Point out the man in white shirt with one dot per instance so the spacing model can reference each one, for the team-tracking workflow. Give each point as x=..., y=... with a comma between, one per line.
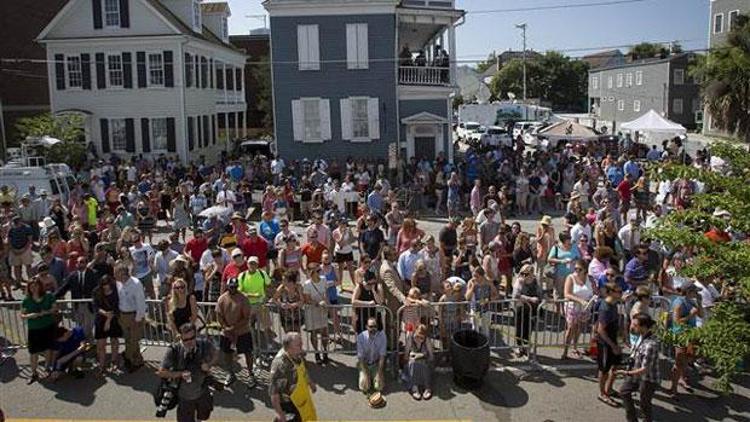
x=583, y=188
x=143, y=264
x=226, y=198
x=132, y=304
x=338, y=197
x=581, y=228
x=277, y=168
x=162, y=258
x=630, y=237
x=280, y=240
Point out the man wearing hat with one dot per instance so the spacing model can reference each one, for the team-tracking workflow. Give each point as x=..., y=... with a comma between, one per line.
x=28, y=215
x=46, y=227
x=239, y=227
x=42, y=205
x=489, y=228
x=255, y=246
x=254, y=283
x=236, y=266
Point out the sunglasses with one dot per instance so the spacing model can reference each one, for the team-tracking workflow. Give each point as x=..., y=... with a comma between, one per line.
x=526, y=273
x=372, y=327
x=610, y=274
x=178, y=288
x=580, y=269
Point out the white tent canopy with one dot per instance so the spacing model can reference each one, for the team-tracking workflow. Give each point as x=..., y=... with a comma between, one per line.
x=654, y=123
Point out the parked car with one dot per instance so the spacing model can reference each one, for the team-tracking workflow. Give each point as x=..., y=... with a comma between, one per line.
x=496, y=136
x=251, y=147
x=465, y=129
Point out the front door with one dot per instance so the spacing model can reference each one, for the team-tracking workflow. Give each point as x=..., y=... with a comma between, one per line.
x=424, y=147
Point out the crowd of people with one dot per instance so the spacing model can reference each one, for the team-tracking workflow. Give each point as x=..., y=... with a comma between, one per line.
x=360, y=245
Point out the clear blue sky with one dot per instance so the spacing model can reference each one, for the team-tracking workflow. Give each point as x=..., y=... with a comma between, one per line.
x=559, y=29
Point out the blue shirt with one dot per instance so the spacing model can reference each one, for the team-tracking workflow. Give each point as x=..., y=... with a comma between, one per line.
x=19, y=236
x=269, y=230
x=653, y=155
x=633, y=169
x=406, y=263
x=72, y=343
x=635, y=271
x=57, y=269
x=603, y=280
x=563, y=270
x=375, y=201
x=615, y=175
x=371, y=348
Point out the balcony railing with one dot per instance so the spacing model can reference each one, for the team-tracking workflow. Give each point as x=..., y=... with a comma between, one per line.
x=229, y=97
x=433, y=4
x=424, y=75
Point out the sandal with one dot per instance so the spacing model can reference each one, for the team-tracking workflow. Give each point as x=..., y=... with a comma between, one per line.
x=427, y=394
x=577, y=354
x=607, y=400
x=686, y=386
x=415, y=394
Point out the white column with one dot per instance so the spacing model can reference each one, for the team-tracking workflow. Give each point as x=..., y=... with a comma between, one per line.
x=452, y=41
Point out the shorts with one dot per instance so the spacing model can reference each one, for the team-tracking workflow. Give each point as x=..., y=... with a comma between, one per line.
x=200, y=408
x=606, y=359
x=341, y=258
x=244, y=344
x=272, y=254
x=24, y=258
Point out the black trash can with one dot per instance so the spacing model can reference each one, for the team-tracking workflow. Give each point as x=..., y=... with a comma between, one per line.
x=470, y=358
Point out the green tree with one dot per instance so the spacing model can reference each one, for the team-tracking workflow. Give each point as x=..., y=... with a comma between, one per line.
x=724, y=77
x=725, y=339
x=484, y=65
x=67, y=128
x=261, y=71
x=458, y=100
x=552, y=77
x=646, y=50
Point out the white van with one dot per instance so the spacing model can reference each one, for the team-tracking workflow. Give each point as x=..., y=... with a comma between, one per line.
x=56, y=179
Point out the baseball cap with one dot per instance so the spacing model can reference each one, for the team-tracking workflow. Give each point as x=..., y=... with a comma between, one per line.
x=253, y=259
x=232, y=282
x=236, y=252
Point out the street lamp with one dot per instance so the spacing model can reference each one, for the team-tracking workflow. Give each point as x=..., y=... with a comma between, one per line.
x=522, y=27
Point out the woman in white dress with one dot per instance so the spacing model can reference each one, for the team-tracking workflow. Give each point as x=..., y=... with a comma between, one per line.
x=316, y=312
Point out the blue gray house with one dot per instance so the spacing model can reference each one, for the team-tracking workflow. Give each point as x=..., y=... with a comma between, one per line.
x=359, y=77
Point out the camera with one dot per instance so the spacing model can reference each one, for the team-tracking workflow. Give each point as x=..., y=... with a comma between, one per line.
x=168, y=398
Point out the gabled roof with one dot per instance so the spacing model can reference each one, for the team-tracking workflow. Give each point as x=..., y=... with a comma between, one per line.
x=221, y=7
x=184, y=28
x=644, y=62
x=424, y=117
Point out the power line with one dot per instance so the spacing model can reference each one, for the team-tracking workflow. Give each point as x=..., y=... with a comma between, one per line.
x=553, y=7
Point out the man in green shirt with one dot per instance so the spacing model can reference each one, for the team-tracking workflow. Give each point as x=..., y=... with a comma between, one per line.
x=254, y=283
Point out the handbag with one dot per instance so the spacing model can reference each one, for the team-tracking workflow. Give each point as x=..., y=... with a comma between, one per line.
x=550, y=270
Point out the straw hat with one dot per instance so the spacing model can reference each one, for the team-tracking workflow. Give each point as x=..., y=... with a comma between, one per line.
x=575, y=195
x=546, y=220
x=376, y=400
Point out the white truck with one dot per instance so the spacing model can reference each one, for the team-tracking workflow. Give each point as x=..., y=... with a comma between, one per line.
x=498, y=113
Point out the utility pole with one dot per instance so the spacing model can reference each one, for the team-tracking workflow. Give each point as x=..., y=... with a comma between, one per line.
x=522, y=27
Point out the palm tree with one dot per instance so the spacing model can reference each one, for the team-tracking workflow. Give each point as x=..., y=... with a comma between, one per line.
x=724, y=76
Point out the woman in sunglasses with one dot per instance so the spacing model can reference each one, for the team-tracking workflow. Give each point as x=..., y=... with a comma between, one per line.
x=578, y=294
x=183, y=307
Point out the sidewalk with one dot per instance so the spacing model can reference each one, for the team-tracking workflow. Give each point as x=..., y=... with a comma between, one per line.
x=522, y=392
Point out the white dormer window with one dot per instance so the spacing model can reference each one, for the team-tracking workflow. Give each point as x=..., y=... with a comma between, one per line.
x=224, y=30
x=197, y=17
x=112, y=13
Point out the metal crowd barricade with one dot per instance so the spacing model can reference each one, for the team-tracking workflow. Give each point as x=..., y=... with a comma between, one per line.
x=12, y=327
x=507, y=324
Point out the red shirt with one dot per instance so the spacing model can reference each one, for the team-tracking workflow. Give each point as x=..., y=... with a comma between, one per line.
x=232, y=270
x=196, y=247
x=624, y=190
x=257, y=247
x=717, y=236
x=313, y=253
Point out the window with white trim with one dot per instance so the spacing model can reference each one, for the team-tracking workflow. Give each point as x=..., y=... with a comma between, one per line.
x=112, y=13
x=360, y=118
x=677, y=106
x=75, y=74
x=697, y=105
x=637, y=105
x=357, y=54
x=609, y=82
x=621, y=105
x=595, y=82
x=159, y=134
x=189, y=70
x=155, y=69
x=629, y=79
x=114, y=70
x=311, y=112
x=639, y=77
x=224, y=30
x=308, y=48
x=117, y=134
x=619, y=80
x=732, y=19
x=679, y=76
x=718, y=23
x=197, y=16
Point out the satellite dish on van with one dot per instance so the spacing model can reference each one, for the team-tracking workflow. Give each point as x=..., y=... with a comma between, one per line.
x=487, y=80
x=511, y=96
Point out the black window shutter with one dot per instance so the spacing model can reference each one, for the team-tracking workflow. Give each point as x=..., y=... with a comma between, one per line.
x=199, y=130
x=60, y=71
x=129, y=135
x=188, y=77
x=206, y=132
x=124, y=14
x=140, y=64
x=145, y=135
x=204, y=73
x=213, y=128
x=190, y=134
x=238, y=73
x=101, y=80
x=104, y=123
x=127, y=70
x=219, y=78
x=96, y=7
x=168, y=69
x=211, y=73
x=86, y=71
x=230, y=82
x=197, y=71
x=171, y=135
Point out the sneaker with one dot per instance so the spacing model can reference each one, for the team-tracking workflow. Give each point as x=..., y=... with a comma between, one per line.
x=230, y=380
x=251, y=382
